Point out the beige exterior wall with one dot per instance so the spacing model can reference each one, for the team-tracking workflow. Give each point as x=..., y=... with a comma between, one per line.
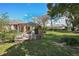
x=24, y=28
x=12, y=27
x=21, y=27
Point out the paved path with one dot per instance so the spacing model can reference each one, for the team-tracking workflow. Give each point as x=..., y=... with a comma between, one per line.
x=22, y=37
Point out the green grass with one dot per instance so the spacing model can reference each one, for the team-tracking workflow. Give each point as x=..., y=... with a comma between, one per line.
x=62, y=33
x=42, y=47
x=4, y=46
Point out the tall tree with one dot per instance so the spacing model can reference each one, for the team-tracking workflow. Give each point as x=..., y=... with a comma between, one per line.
x=61, y=8
x=50, y=13
x=53, y=12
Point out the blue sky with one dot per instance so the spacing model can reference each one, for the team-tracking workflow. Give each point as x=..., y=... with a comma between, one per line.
x=23, y=11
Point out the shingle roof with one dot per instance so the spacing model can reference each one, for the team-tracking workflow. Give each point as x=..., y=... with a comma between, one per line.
x=33, y=24
x=19, y=22
x=14, y=22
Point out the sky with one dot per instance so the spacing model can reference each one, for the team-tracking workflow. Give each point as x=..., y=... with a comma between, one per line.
x=23, y=11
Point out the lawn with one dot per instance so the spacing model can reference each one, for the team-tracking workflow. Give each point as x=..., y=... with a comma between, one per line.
x=43, y=47
x=4, y=47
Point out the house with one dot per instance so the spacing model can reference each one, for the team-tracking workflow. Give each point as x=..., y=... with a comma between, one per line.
x=59, y=26
x=59, y=23
x=22, y=26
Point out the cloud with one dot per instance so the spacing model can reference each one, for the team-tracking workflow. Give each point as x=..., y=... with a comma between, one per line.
x=26, y=15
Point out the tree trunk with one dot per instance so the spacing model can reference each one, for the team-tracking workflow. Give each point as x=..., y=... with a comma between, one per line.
x=51, y=24
x=73, y=28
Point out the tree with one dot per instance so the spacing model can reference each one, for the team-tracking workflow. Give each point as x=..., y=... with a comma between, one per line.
x=53, y=12
x=3, y=20
x=41, y=20
x=36, y=20
x=62, y=8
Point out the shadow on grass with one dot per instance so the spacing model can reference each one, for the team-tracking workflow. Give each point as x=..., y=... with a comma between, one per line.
x=42, y=47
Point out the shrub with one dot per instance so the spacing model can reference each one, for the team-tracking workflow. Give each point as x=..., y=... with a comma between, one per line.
x=1, y=36
x=7, y=37
x=70, y=41
x=44, y=29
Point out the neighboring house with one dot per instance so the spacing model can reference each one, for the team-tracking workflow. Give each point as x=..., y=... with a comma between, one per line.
x=21, y=26
x=59, y=26
x=56, y=25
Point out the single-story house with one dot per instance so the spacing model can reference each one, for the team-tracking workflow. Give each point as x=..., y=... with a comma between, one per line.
x=21, y=26
x=59, y=26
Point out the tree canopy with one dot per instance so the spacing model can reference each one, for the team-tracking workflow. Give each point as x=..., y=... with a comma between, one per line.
x=61, y=9
x=3, y=20
x=41, y=20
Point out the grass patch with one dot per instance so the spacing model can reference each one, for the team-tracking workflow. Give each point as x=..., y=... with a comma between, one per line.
x=62, y=33
x=42, y=47
x=4, y=47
